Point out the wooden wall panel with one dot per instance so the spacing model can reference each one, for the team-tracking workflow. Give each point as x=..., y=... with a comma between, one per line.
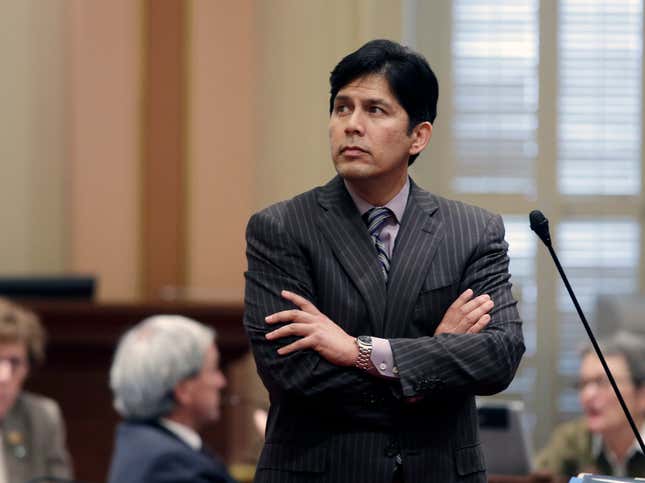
x=104, y=144
x=222, y=144
x=163, y=230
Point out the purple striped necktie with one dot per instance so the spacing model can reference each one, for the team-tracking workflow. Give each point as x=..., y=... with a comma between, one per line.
x=376, y=219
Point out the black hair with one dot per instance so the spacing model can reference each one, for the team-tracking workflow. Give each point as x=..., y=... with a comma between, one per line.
x=408, y=74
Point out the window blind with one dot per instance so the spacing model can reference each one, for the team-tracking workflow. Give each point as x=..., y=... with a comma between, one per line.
x=599, y=101
x=495, y=74
x=599, y=256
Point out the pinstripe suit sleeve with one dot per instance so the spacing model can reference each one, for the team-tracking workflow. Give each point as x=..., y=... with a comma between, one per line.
x=483, y=363
x=275, y=263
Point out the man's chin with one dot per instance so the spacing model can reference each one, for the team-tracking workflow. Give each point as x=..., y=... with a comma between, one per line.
x=214, y=416
x=595, y=424
x=353, y=171
x=4, y=409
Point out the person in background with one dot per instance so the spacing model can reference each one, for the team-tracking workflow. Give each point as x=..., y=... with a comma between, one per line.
x=602, y=441
x=166, y=382
x=32, y=428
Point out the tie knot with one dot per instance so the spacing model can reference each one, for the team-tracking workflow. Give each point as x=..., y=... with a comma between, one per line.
x=376, y=218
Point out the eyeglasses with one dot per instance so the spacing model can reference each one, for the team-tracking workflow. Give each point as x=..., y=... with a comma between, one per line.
x=601, y=382
x=14, y=364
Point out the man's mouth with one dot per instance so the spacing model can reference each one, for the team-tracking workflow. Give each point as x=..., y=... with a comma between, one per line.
x=353, y=150
x=592, y=412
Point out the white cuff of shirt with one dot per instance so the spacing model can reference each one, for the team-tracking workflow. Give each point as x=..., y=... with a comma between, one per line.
x=382, y=359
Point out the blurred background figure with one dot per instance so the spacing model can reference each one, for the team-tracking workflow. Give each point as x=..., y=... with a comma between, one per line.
x=32, y=428
x=166, y=382
x=602, y=441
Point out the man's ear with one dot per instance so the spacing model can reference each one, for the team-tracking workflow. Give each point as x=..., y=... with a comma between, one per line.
x=183, y=392
x=640, y=397
x=421, y=135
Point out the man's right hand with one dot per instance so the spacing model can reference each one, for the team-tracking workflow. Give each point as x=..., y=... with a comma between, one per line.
x=466, y=315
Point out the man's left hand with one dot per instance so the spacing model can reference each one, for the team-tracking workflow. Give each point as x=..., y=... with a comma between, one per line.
x=316, y=331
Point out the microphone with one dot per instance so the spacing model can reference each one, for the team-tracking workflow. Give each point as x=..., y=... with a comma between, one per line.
x=540, y=225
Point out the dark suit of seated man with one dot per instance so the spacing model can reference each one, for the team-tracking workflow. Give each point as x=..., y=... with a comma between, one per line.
x=166, y=382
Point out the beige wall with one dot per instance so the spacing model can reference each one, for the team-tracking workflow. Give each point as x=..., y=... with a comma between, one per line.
x=33, y=143
x=433, y=36
x=298, y=44
x=257, y=124
x=256, y=121
x=105, y=142
x=221, y=145
x=69, y=140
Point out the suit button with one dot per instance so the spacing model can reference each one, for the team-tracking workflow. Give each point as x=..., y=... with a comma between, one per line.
x=392, y=449
x=435, y=384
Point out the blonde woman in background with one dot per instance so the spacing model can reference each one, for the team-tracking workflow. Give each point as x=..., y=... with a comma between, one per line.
x=32, y=428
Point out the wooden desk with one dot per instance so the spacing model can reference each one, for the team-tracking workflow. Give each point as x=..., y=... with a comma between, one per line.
x=82, y=338
x=520, y=479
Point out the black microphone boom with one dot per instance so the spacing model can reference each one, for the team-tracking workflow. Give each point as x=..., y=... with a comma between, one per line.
x=540, y=225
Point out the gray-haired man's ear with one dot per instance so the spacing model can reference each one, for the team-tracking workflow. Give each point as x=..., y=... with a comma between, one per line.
x=260, y=421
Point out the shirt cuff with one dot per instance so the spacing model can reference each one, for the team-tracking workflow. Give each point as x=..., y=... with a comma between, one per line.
x=382, y=359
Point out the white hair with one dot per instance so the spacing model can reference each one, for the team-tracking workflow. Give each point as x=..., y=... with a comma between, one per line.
x=630, y=346
x=151, y=359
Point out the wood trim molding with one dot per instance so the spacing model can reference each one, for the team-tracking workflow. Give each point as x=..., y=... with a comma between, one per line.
x=163, y=171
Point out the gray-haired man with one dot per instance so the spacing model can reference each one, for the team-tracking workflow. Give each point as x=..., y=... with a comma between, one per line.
x=166, y=382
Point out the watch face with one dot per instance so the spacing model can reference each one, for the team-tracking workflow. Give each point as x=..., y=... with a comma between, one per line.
x=365, y=339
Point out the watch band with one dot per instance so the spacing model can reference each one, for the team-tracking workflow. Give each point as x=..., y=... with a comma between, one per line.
x=363, y=361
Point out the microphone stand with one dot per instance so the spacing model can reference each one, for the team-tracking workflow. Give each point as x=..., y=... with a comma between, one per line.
x=544, y=236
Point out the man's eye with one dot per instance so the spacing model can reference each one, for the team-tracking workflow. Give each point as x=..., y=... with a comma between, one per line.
x=342, y=108
x=376, y=110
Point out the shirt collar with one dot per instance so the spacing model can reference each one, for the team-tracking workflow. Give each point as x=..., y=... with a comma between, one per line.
x=183, y=432
x=597, y=446
x=396, y=205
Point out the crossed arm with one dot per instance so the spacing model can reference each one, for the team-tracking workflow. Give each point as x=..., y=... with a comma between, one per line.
x=310, y=355
x=466, y=315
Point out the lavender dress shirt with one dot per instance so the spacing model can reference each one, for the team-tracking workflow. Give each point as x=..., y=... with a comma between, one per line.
x=382, y=358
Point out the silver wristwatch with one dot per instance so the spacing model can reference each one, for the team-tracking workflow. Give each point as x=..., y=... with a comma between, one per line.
x=363, y=361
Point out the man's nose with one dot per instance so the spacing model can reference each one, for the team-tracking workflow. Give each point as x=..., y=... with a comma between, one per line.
x=588, y=392
x=355, y=123
x=222, y=380
x=5, y=371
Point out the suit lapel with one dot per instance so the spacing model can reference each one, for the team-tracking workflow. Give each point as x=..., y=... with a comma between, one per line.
x=17, y=453
x=416, y=245
x=210, y=458
x=347, y=235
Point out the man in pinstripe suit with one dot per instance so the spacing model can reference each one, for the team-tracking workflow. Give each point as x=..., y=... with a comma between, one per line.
x=370, y=339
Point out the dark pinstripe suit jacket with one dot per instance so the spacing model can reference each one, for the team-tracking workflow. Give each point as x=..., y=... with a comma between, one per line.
x=338, y=424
